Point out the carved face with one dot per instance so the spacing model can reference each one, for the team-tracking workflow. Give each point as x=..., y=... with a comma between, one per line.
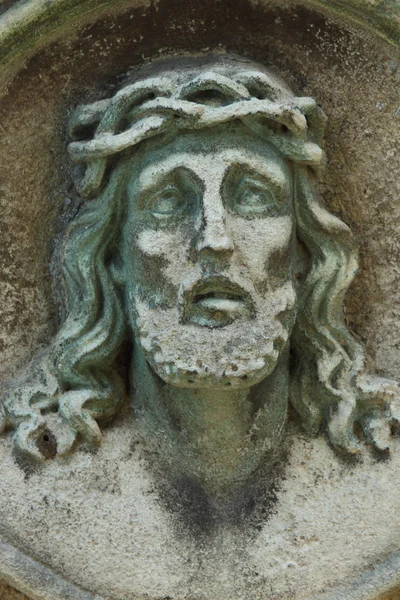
x=208, y=249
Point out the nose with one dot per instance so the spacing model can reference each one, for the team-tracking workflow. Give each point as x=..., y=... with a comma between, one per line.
x=214, y=238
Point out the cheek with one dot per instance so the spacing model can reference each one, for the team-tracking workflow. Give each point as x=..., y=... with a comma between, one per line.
x=258, y=241
x=167, y=249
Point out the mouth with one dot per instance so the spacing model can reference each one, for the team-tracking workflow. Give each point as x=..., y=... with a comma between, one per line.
x=216, y=302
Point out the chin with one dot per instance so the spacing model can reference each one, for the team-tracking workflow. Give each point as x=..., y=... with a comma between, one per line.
x=179, y=376
x=238, y=355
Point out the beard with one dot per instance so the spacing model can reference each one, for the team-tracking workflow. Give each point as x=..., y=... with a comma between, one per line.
x=239, y=353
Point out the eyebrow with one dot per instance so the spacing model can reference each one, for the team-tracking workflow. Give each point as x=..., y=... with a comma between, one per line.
x=163, y=176
x=280, y=182
x=255, y=164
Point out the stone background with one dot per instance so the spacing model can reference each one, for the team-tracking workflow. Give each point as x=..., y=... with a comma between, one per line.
x=353, y=73
x=7, y=593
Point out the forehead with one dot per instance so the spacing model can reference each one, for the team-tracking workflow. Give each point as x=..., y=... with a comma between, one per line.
x=208, y=153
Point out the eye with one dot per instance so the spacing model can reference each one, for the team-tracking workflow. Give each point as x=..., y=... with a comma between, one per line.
x=167, y=201
x=253, y=196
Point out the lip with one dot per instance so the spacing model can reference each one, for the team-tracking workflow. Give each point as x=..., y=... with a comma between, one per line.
x=217, y=302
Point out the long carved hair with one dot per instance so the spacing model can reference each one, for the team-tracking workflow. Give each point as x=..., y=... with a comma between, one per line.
x=76, y=378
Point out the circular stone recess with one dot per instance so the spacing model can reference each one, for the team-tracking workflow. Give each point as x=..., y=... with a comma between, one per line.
x=100, y=525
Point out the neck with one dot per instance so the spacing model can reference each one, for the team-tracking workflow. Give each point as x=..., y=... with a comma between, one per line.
x=215, y=437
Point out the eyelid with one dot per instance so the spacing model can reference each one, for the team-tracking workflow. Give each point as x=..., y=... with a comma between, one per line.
x=241, y=181
x=153, y=203
x=168, y=187
x=247, y=179
x=240, y=170
x=180, y=179
x=170, y=178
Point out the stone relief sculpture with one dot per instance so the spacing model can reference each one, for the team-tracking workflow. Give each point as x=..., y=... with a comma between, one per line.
x=201, y=238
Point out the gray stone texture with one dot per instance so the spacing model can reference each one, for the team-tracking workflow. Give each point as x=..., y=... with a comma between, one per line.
x=104, y=520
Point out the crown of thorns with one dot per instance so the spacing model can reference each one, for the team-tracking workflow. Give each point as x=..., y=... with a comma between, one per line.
x=156, y=105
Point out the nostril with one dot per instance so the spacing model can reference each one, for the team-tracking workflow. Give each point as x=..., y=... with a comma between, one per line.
x=215, y=241
x=220, y=246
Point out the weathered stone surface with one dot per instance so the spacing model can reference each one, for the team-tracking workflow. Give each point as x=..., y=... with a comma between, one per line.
x=104, y=520
x=393, y=595
x=8, y=593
